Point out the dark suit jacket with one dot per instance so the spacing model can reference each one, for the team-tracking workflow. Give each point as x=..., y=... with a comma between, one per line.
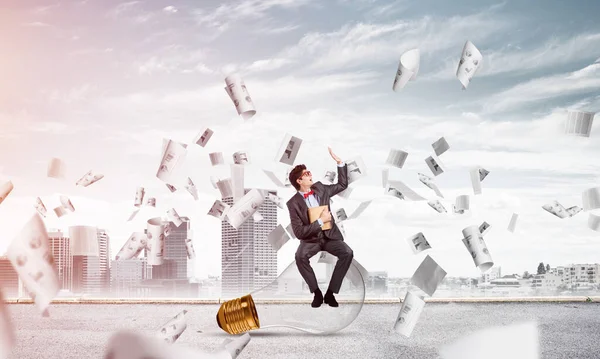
x=312, y=232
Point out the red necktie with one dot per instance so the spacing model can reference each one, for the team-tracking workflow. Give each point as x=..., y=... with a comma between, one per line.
x=308, y=194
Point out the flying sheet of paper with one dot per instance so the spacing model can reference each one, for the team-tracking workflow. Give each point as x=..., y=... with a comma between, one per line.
x=391, y=191
x=172, y=158
x=429, y=182
x=329, y=177
x=473, y=240
x=241, y=158
x=139, y=196
x=408, y=68
x=356, y=169
x=84, y=241
x=437, y=205
x=225, y=187
x=288, y=150
x=171, y=187
x=468, y=64
x=340, y=215
x=136, y=242
x=56, y=168
x=235, y=346
x=579, y=123
x=237, y=181
x=203, y=137
x=462, y=203
x=133, y=214
x=155, y=230
x=213, y=181
x=418, y=243
x=385, y=176
x=133, y=345
x=326, y=257
x=278, y=237
x=520, y=341
x=244, y=208
x=39, y=206
x=151, y=201
x=360, y=209
x=216, y=158
x=591, y=198
x=66, y=203
x=428, y=276
x=218, y=210
x=594, y=222
x=174, y=217
x=60, y=211
x=483, y=174
x=275, y=199
x=189, y=247
x=440, y=146
x=31, y=256
x=396, y=158
x=290, y=231
x=484, y=228
x=412, y=307
x=172, y=330
x=559, y=211
x=5, y=190
x=238, y=93
x=191, y=188
x=475, y=180
x=513, y=222
x=89, y=178
x=406, y=191
x=7, y=331
x=257, y=217
x=435, y=165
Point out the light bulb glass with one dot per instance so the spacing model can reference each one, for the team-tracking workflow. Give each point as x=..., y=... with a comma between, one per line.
x=286, y=302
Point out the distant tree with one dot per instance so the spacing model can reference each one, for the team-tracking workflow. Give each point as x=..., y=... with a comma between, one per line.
x=541, y=268
x=547, y=268
x=526, y=275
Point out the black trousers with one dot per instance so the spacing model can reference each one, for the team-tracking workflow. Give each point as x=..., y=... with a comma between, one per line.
x=338, y=248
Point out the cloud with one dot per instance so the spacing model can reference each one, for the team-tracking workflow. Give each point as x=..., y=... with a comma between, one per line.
x=276, y=30
x=371, y=44
x=175, y=59
x=36, y=24
x=515, y=60
x=225, y=14
x=170, y=9
x=581, y=81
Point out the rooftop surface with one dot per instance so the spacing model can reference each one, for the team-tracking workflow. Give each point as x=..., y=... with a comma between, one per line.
x=74, y=331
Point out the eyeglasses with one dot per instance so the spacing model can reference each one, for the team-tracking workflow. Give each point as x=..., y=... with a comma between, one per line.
x=305, y=174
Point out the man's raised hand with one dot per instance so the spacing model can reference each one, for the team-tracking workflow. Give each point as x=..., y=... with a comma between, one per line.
x=336, y=158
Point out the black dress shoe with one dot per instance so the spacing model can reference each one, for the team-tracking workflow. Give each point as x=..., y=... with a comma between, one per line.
x=318, y=300
x=330, y=299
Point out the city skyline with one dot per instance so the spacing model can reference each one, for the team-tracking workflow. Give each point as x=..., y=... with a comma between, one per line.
x=118, y=77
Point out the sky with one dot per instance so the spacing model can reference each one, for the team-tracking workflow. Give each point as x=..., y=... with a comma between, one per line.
x=99, y=84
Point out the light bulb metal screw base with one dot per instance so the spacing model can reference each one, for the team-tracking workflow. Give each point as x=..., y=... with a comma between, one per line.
x=238, y=315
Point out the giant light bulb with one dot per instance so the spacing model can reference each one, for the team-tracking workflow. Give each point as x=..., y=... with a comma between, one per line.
x=253, y=311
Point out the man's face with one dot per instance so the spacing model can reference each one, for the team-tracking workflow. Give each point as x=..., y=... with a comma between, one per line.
x=305, y=179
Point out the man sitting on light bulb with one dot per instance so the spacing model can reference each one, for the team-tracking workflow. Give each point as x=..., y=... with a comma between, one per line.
x=313, y=238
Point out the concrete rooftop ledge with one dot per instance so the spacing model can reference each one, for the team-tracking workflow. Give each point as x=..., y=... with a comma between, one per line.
x=111, y=301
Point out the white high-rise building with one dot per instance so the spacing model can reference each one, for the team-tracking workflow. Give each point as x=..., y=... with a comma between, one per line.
x=61, y=250
x=125, y=275
x=91, y=274
x=248, y=261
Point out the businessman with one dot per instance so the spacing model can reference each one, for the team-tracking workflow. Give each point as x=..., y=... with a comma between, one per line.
x=313, y=238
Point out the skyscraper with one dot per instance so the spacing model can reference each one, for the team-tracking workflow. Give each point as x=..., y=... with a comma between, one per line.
x=175, y=260
x=61, y=250
x=248, y=261
x=126, y=274
x=175, y=248
x=91, y=274
x=9, y=279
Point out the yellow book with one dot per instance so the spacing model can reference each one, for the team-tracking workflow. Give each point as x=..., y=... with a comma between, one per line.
x=314, y=214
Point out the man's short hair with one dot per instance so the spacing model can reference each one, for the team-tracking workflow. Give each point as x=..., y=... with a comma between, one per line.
x=295, y=174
